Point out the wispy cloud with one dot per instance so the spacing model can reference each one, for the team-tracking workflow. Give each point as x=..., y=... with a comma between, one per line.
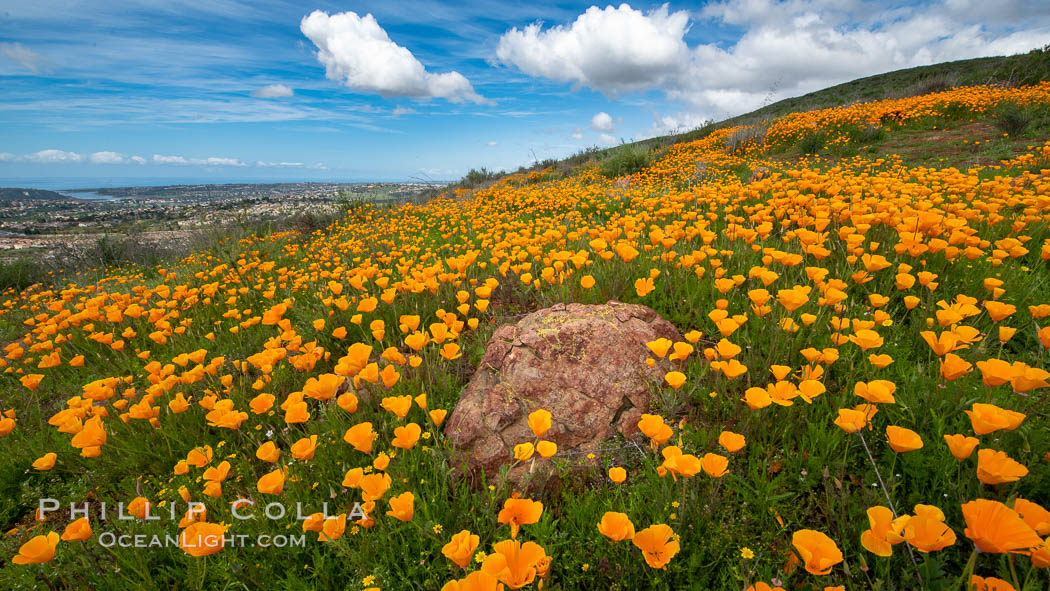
x=28, y=58
x=278, y=164
x=107, y=110
x=183, y=161
x=55, y=156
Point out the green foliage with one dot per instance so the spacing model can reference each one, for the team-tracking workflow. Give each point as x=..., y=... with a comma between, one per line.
x=478, y=177
x=313, y=220
x=624, y=161
x=21, y=272
x=813, y=142
x=115, y=251
x=1015, y=119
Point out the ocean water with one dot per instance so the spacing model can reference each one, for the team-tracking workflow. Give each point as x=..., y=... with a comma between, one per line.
x=89, y=195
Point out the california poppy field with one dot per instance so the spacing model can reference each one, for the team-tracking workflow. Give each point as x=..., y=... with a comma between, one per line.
x=858, y=401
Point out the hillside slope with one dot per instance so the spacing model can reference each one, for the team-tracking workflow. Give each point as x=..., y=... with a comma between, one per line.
x=18, y=194
x=1016, y=70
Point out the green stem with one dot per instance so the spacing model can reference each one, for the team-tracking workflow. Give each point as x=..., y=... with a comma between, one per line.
x=911, y=554
x=1013, y=572
x=964, y=579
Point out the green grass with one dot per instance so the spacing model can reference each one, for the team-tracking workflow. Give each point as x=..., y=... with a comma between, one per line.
x=624, y=161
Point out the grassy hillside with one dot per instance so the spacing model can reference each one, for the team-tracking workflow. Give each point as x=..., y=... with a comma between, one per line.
x=1016, y=70
x=859, y=401
x=15, y=194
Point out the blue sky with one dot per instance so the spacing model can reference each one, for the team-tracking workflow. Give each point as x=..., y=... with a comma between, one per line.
x=221, y=89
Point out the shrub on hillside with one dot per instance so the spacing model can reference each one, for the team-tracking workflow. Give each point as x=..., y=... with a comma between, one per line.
x=20, y=273
x=812, y=143
x=477, y=177
x=624, y=161
x=1014, y=118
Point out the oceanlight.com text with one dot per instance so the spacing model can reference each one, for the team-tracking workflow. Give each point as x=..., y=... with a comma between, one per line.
x=110, y=539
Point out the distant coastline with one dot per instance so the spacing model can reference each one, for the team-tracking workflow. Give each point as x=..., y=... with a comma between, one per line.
x=154, y=188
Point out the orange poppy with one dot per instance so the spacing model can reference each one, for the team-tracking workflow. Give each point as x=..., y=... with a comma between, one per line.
x=461, y=547
x=519, y=512
x=402, y=506
x=540, y=422
x=989, y=584
x=818, y=552
x=616, y=526
x=902, y=440
x=961, y=446
x=654, y=427
x=272, y=483
x=38, y=550
x=927, y=534
x=202, y=538
x=513, y=563
x=732, y=442
x=361, y=437
x=658, y=545
x=1034, y=515
x=988, y=418
x=995, y=467
x=77, y=531
x=996, y=528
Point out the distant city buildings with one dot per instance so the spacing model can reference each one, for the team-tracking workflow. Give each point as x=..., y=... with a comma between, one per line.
x=43, y=223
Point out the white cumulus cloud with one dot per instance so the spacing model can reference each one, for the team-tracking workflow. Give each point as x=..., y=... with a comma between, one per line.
x=273, y=91
x=51, y=156
x=356, y=51
x=107, y=158
x=786, y=48
x=161, y=159
x=612, y=50
x=607, y=139
x=577, y=134
x=602, y=122
x=6, y=156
